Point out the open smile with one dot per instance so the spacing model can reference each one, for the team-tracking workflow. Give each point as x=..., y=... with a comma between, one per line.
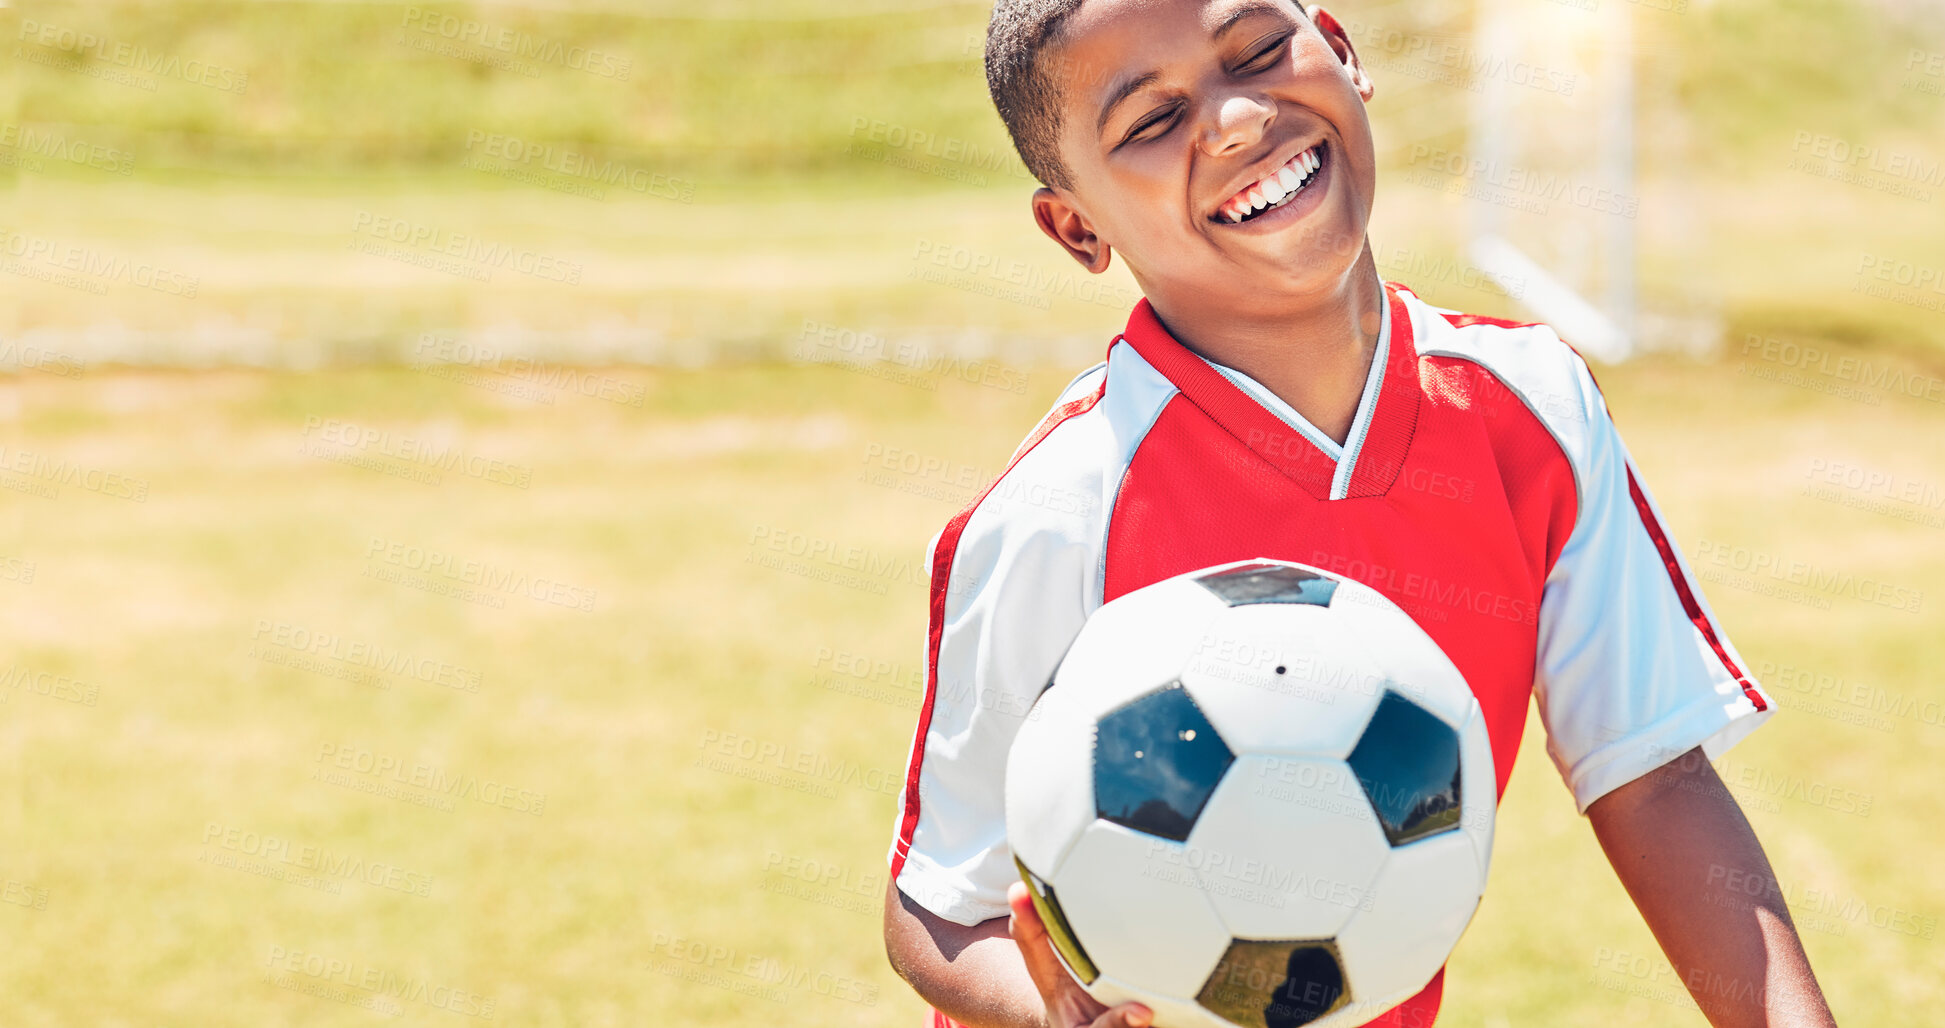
x=1277, y=190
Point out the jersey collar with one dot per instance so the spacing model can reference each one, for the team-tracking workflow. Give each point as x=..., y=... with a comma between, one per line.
x=1373, y=452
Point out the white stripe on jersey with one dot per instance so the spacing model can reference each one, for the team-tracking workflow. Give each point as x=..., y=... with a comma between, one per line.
x=1625, y=681
x=1025, y=574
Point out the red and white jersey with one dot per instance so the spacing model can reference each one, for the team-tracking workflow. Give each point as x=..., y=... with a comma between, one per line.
x=1482, y=487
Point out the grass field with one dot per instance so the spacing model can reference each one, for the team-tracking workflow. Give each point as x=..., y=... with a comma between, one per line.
x=626, y=772
x=369, y=673
x=764, y=165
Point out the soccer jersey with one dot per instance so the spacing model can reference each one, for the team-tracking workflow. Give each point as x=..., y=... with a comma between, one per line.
x=1482, y=487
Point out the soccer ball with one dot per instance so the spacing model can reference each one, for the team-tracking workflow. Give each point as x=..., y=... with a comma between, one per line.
x=1256, y=794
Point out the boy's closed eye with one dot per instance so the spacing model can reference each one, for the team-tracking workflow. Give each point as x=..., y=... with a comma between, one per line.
x=1156, y=125
x=1259, y=56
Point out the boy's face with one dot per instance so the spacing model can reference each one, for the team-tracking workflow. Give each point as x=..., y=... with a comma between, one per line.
x=1175, y=111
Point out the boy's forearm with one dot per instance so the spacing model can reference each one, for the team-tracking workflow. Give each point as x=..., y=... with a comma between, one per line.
x=1693, y=866
x=973, y=975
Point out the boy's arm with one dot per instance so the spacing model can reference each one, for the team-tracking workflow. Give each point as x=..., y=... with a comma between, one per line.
x=973, y=975
x=995, y=974
x=1677, y=839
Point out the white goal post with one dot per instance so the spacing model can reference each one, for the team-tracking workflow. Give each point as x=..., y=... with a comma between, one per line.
x=1594, y=311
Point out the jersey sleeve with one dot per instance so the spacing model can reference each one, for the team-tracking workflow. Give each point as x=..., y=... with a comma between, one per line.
x=1011, y=607
x=1011, y=581
x=1632, y=668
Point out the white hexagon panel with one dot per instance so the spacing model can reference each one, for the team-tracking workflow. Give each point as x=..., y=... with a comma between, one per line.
x=1287, y=848
x=1139, y=910
x=1138, y=641
x=1420, y=905
x=1410, y=663
x=1050, y=781
x=1481, y=805
x=1277, y=678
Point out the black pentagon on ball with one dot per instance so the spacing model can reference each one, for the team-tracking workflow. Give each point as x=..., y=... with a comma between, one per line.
x=1157, y=759
x=1408, y=762
x=1270, y=583
x=1267, y=984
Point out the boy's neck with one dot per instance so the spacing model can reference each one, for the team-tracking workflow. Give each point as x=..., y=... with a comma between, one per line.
x=1313, y=355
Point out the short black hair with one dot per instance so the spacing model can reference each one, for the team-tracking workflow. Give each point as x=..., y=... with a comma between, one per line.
x=1025, y=94
x=1021, y=86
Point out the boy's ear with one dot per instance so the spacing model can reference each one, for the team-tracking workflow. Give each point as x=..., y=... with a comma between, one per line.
x=1340, y=42
x=1064, y=224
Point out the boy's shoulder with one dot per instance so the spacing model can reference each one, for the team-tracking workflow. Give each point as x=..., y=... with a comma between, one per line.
x=1090, y=432
x=1510, y=348
x=1057, y=489
x=1496, y=366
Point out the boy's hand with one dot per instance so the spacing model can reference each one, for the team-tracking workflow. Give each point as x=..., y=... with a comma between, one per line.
x=1068, y=1005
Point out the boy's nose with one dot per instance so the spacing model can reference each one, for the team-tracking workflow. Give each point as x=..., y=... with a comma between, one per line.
x=1239, y=123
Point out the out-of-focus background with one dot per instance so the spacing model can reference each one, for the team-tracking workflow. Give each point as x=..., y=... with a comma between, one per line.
x=467, y=469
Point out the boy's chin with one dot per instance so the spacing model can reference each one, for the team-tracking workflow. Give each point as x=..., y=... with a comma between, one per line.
x=1264, y=282
x=1303, y=254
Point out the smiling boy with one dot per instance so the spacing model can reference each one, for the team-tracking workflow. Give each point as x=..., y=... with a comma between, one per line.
x=1273, y=397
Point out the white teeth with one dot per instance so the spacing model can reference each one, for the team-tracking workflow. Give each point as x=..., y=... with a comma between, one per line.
x=1275, y=188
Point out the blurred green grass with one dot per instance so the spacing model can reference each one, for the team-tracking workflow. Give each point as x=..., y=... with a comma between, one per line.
x=653, y=833
x=350, y=89
x=733, y=90
x=785, y=134
x=569, y=917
